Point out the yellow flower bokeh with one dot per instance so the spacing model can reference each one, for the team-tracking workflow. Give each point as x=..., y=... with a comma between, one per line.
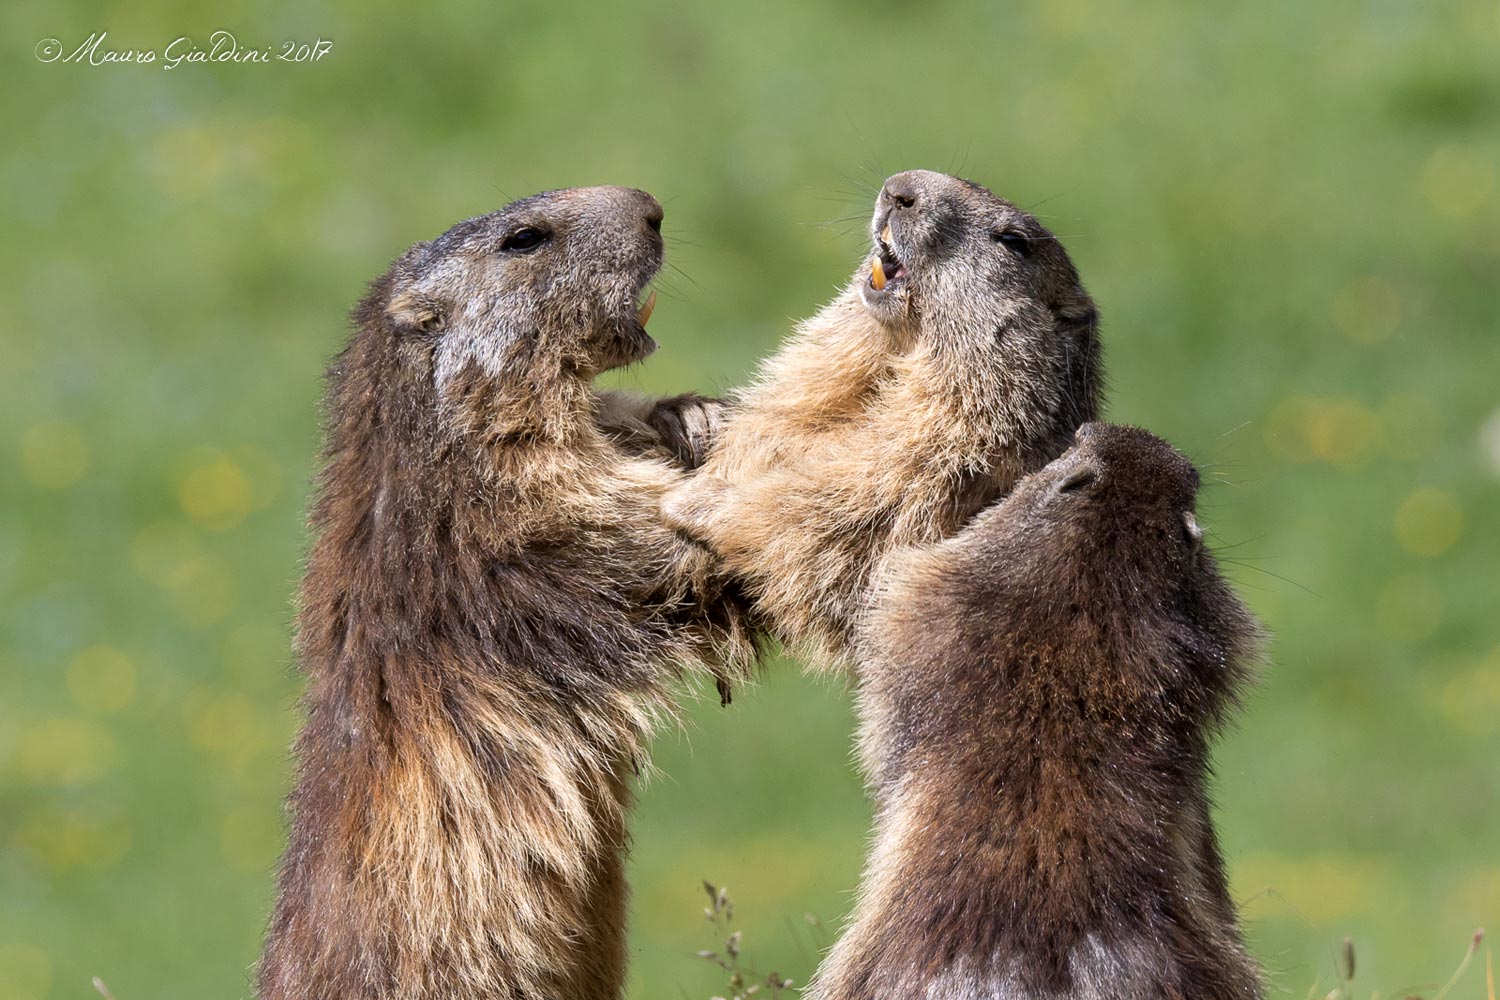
x=65, y=752
x=199, y=586
x=1429, y=522
x=54, y=455
x=101, y=680
x=1471, y=699
x=215, y=493
x=69, y=837
x=1409, y=608
x=1319, y=889
x=1340, y=431
x=1368, y=310
x=1413, y=425
x=25, y=971
x=1458, y=181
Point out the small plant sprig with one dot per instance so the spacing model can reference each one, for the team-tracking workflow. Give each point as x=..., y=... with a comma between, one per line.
x=744, y=982
x=1344, y=970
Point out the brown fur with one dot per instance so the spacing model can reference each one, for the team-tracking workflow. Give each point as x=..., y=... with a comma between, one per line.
x=893, y=416
x=491, y=614
x=1038, y=695
x=679, y=428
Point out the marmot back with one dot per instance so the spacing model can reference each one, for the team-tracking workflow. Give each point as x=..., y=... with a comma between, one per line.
x=1038, y=696
x=963, y=353
x=491, y=616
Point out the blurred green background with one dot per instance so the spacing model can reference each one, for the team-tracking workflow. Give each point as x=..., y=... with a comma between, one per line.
x=1289, y=213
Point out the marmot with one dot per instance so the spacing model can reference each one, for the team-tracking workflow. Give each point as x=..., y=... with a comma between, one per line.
x=963, y=354
x=1037, y=697
x=490, y=616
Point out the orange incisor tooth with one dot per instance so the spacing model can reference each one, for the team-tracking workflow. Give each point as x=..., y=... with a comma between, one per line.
x=647, y=309
x=877, y=274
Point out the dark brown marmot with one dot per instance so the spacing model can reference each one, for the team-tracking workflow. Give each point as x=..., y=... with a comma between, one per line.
x=491, y=614
x=963, y=354
x=1038, y=695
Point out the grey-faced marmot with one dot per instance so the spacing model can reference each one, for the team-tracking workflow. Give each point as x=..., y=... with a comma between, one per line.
x=491, y=614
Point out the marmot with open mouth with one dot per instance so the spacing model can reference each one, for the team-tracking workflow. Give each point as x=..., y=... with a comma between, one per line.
x=491, y=617
x=963, y=354
x=1038, y=697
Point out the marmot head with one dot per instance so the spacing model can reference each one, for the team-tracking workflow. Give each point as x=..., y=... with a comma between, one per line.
x=547, y=286
x=497, y=326
x=1106, y=539
x=965, y=273
x=1125, y=493
x=1085, y=598
x=1090, y=578
x=940, y=240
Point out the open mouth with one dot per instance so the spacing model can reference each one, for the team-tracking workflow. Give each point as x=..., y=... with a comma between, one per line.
x=887, y=272
x=624, y=341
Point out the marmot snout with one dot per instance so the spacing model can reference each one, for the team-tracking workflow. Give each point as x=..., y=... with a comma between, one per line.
x=948, y=248
x=557, y=272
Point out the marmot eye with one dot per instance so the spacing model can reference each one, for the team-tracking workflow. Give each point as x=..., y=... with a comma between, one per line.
x=1017, y=243
x=524, y=239
x=1077, y=479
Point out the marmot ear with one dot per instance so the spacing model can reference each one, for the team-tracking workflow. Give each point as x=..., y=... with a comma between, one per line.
x=412, y=312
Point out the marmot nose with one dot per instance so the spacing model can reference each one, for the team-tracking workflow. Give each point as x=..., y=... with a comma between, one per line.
x=648, y=207
x=899, y=192
x=654, y=216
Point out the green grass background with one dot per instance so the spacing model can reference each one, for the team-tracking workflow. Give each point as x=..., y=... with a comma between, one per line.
x=1289, y=213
